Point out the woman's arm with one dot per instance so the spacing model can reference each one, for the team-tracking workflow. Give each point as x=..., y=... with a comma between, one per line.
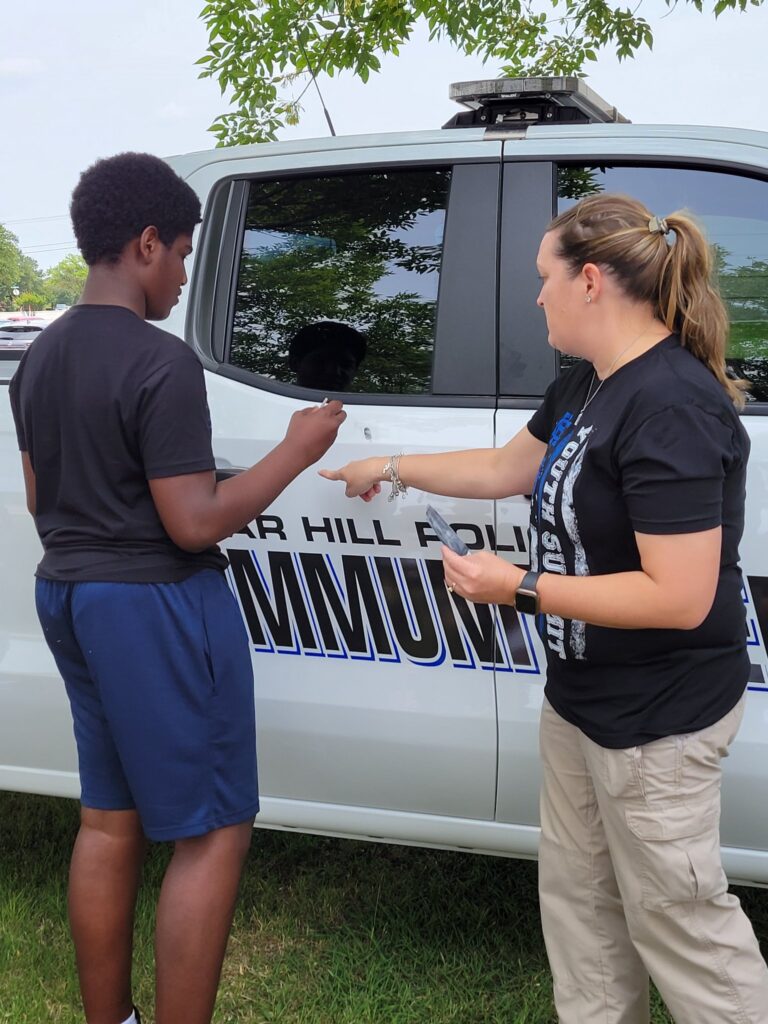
x=674, y=589
x=477, y=473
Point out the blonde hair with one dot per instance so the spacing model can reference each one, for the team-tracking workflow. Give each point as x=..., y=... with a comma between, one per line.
x=618, y=233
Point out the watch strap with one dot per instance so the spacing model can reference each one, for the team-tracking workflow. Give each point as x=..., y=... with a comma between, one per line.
x=526, y=597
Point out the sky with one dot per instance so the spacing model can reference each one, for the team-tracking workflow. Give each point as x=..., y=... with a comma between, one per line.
x=88, y=79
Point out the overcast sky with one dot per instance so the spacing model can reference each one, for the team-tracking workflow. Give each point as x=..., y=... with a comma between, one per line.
x=85, y=80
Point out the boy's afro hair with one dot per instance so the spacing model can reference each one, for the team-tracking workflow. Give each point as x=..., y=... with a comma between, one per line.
x=117, y=198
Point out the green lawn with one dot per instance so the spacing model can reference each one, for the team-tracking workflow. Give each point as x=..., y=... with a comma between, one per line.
x=748, y=339
x=327, y=932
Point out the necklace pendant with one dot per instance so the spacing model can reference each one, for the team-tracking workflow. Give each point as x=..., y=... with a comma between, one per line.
x=590, y=395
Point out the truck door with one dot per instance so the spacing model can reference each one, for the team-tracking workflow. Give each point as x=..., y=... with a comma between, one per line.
x=732, y=206
x=367, y=275
x=37, y=749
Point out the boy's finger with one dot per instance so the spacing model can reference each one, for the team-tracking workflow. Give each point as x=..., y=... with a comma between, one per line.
x=330, y=474
x=333, y=408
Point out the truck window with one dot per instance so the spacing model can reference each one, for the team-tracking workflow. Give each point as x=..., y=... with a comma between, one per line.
x=733, y=209
x=338, y=280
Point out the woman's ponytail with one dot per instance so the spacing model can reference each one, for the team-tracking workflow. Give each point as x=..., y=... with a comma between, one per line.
x=676, y=278
x=690, y=304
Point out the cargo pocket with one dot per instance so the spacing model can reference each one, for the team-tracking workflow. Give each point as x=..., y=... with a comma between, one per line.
x=678, y=853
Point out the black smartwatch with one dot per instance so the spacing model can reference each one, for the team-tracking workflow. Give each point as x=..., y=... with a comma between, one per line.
x=526, y=597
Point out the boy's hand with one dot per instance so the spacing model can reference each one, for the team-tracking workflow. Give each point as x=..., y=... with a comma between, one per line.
x=311, y=432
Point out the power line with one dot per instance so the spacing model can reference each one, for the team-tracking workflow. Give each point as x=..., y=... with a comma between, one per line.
x=52, y=253
x=34, y=220
x=51, y=245
x=33, y=253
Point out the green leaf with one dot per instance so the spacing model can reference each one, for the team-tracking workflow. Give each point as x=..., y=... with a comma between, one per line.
x=254, y=52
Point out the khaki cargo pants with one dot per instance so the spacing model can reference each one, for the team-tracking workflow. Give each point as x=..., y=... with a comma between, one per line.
x=631, y=883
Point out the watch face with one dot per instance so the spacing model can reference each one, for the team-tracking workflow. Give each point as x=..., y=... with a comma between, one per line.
x=526, y=601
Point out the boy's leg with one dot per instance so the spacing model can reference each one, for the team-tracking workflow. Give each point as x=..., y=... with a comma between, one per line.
x=108, y=851
x=103, y=883
x=176, y=684
x=194, y=915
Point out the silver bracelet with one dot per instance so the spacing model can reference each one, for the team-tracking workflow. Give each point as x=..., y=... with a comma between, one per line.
x=392, y=470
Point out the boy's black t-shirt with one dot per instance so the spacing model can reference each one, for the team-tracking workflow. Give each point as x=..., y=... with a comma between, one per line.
x=659, y=449
x=104, y=402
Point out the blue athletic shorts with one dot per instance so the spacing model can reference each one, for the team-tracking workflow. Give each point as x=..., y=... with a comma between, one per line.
x=160, y=682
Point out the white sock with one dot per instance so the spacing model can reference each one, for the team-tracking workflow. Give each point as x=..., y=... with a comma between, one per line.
x=131, y=1019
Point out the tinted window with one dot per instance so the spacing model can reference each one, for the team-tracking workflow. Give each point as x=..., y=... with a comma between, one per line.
x=338, y=280
x=734, y=213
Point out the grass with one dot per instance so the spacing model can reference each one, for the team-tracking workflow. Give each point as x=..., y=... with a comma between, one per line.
x=327, y=931
x=748, y=339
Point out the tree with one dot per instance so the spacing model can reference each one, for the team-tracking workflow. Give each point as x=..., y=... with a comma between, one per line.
x=65, y=281
x=10, y=265
x=31, y=302
x=16, y=270
x=30, y=275
x=258, y=47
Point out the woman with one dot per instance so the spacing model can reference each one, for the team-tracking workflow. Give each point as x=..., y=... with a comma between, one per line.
x=636, y=461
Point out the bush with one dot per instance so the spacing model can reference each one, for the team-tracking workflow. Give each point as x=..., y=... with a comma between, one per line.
x=31, y=301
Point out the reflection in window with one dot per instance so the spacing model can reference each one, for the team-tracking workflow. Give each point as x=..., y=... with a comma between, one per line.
x=733, y=211
x=338, y=280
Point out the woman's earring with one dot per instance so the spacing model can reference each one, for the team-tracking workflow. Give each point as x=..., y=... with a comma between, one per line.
x=587, y=298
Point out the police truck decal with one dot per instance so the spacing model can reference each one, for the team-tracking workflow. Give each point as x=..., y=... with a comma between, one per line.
x=390, y=608
x=756, y=600
x=372, y=608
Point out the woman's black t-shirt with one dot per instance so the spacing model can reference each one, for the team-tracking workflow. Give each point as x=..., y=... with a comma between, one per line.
x=659, y=449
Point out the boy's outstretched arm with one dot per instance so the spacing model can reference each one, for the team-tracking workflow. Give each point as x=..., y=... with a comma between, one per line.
x=198, y=512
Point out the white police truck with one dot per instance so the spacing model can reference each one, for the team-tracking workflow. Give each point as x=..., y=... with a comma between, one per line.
x=397, y=272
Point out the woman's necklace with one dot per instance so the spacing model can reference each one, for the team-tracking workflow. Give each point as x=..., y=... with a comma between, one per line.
x=592, y=394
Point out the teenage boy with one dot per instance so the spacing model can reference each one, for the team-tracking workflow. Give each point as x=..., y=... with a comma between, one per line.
x=115, y=441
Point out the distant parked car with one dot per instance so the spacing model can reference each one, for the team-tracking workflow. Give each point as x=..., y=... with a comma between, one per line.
x=19, y=333
x=16, y=335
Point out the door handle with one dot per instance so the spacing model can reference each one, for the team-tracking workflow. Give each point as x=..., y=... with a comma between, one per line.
x=226, y=472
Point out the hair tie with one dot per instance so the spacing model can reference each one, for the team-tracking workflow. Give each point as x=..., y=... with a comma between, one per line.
x=658, y=226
